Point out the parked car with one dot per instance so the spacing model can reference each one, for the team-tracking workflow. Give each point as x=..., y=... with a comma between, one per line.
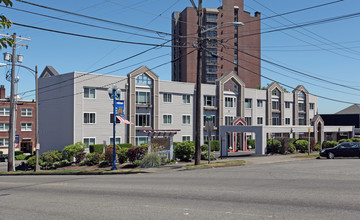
x=3, y=157
x=345, y=149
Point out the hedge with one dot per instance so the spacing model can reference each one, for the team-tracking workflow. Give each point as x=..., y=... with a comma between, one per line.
x=96, y=148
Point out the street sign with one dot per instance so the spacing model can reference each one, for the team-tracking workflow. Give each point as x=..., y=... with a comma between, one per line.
x=37, y=147
x=208, y=118
x=119, y=107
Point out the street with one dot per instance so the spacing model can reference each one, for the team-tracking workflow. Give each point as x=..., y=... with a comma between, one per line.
x=306, y=189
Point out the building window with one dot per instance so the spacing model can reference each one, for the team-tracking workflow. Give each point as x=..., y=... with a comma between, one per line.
x=186, y=138
x=248, y=103
x=301, y=95
x=186, y=99
x=142, y=79
x=167, y=97
x=275, y=105
x=212, y=119
x=229, y=102
x=143, y=98
x=229, y=120
x=26, y=127
x=4, y=126
x=89, y=93
x=301, y=107
x=275, y=92
x=117, y=140
x=89, y=141
x=89, y=118
x=4, y=111
x=275, y=119
x=143, y=120
x=248, y=120
x=259, y=120
x=186, y=119
x=112, y=119
x=287, y=121
x=260, y=103
x=209, y=100
x=140, y=140
x=26, y=112
x=4, y=142
x=312, y=106
x=167, y=119
x=302, y=119
x=287, y=104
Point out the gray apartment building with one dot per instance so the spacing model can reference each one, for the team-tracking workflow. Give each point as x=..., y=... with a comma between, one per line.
x=76, y=107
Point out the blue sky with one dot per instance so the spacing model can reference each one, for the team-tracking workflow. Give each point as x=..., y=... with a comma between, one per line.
x=329, y=51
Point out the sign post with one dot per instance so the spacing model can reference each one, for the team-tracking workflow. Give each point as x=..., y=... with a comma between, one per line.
x=209, y=125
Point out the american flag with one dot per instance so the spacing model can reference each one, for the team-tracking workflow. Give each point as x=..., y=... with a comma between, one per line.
x=123, y=120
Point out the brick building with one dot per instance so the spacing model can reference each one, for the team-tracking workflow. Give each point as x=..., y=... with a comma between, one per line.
x=232, y=44
x=25, y=124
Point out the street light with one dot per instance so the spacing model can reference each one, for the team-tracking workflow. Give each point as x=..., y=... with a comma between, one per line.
x=114, y=93
x=36, y=110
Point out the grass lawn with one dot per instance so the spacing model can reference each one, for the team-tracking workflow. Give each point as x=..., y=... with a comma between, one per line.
x=217, y=164
x=307, y=156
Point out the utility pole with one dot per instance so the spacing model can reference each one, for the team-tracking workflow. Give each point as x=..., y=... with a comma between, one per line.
x=11, y=153
x=198, y=86
x=37, y=144
x=12, y=125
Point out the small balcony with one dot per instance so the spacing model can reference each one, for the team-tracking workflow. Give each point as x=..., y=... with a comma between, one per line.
x=143, y=105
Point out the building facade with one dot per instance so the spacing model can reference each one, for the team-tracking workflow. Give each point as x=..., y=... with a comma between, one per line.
x=226, y=48
x=77, y=107
x=25, y=124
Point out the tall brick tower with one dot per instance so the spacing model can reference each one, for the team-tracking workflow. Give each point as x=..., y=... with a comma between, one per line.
x=229, y=42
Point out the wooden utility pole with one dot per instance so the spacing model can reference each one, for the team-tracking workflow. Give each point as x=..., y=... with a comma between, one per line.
x=198, y=86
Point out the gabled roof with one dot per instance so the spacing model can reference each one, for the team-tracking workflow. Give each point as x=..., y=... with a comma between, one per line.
x=300, y=88
x=143, y=69
x=353, y=109
x=231, y=75
x=48, y=72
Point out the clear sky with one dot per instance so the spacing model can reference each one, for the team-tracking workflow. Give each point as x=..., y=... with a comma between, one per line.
x=329, y=51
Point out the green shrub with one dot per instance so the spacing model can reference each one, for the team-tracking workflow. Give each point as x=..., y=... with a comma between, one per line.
x=64, y=163
x=92, y=159
x=57, y=164
x=103, y=163
x=135, y=153
x=73, y=150
x=285, y=145
x=21, y=157
x=151, y=160
x=137, y=163
x=184, y=150
x=96, y=148
x=317, y=147
x=292, y=148
x=355, y=139
x=205, y=147
x=204, y=155
x=274, y=146
x=122, y=155
x=302, y=145
x=125, y=145
x=329, y=144
x=293, y=140
x=214, y=146
x=344, y=140
x=18, y=152
x=51, y=157
x=82, y=163
x=31, y=161
x=251, y=142
x=1, y=152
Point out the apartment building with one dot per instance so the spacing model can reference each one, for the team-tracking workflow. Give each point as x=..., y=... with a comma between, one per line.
x=25, y=124
x=226, y=48
x=77, y=107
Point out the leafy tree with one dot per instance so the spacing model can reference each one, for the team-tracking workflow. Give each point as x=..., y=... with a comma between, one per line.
x=74, y=150
x=4, y=24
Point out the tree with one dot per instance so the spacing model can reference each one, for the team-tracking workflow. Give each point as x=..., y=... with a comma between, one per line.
x=4, y=24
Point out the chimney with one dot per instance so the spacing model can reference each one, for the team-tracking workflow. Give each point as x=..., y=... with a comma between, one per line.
x=2, y=92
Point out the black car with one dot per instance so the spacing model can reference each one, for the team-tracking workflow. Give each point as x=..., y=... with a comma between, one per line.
x=345, y=149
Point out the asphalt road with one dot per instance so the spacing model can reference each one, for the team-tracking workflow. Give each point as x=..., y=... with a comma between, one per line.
x=308, y=189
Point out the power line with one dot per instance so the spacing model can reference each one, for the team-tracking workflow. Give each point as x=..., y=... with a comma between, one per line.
x=81, y=23
x=104, y=86
x=283, y=84
x=94, y=18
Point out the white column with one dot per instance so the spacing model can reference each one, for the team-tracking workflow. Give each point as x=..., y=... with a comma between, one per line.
x=149, y=144
x=171, y=148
